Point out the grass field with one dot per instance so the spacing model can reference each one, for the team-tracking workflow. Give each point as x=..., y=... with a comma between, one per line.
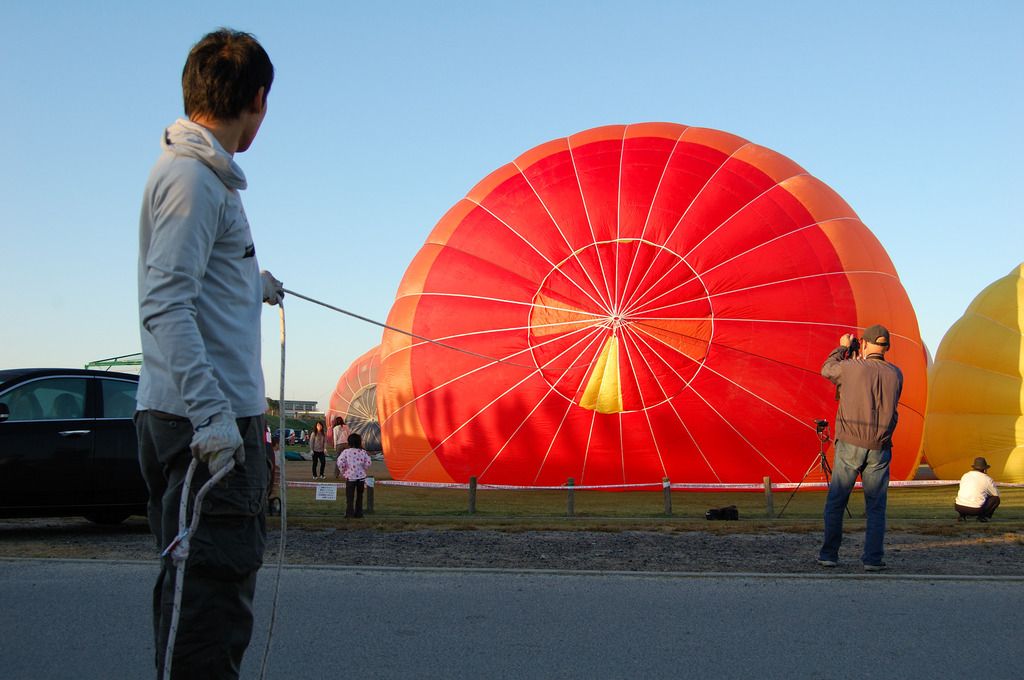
x=926, y=509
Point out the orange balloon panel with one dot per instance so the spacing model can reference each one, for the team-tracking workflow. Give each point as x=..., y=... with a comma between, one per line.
x=355, y=400
x=633, y=303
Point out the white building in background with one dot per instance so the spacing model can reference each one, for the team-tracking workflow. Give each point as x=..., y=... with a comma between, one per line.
x=296, y=408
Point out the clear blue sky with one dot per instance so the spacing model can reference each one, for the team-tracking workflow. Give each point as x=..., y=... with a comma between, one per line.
x=384, y=114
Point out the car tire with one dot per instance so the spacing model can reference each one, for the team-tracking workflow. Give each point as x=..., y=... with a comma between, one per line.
x=108, y=519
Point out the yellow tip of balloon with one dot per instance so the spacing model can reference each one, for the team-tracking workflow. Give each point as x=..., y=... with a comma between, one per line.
x=603, y=393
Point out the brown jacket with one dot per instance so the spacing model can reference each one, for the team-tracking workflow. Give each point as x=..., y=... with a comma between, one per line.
x=870, y=392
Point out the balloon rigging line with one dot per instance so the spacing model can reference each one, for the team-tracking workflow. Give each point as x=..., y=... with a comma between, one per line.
x=521, y=425
x=650, y=208
x=814, y=225
x=720, y=375
x=428, y=340
x=699, y=276
x=469, y=420
x=590, y=224
x=693, y=201
x=592, y=328
x=574, y=253
x=551, y=442
x=737, y=256
x=522, y=303
x=750, y=202
x=697, y=195
x=469, y=373
x=739, y=386
x=478, y=355
x=552, y=388
x=725, y=420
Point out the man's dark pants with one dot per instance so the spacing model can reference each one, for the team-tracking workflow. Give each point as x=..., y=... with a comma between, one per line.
x=216, y=618
x=984, y=512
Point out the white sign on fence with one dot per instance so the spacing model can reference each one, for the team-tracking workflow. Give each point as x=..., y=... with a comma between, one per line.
x=326, y=492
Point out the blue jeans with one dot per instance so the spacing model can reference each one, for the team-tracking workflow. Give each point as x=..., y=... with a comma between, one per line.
x=873, y=467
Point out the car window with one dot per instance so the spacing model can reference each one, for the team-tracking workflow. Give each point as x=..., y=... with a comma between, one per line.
x=118, y=398
x=47, y=399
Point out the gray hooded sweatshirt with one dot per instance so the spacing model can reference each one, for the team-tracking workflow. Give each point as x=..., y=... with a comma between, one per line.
x=200, y=295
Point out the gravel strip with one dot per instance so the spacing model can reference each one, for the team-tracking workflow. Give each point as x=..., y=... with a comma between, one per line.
x=974, y=552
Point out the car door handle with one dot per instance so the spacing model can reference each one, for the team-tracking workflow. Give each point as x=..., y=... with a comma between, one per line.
x=74, y=433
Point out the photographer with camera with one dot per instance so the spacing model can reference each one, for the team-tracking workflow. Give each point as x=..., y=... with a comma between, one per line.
x=870, y=393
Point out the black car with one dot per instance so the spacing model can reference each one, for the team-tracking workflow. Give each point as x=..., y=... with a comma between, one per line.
x=68, y=445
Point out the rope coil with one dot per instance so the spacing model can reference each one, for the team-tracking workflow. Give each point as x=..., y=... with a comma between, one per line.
x=179, y=547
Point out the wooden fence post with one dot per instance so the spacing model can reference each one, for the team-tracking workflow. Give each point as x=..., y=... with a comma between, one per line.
x=570, y=509
x=769, y=503
x=668, y=495
x=472, y=495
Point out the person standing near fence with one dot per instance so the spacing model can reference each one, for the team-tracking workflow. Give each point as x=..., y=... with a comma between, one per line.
x=869, y=395
x=354, y=463
x=339, y=433
x=318, y=448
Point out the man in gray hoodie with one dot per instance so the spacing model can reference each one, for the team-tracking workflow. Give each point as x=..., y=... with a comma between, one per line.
x=201, y=391
x=870, y=391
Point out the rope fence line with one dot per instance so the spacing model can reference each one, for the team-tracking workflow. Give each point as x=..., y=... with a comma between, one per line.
x=328, y=490
x=675, y=487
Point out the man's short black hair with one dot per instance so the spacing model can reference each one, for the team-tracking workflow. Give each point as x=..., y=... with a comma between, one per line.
x=223, y=73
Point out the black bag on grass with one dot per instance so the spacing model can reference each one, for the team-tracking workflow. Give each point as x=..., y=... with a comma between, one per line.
x=728, y=513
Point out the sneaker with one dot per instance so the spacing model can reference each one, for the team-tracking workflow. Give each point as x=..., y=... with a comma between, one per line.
x=961, y=518
x=827, y=563
x=983, y=519
x=875, y=567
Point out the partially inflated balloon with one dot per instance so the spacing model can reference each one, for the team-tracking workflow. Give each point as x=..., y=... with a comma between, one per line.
x=633, y=303
x=975, y=392
x=355, y=400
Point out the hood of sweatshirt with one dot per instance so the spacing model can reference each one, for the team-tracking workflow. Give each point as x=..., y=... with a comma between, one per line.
x=186, y=138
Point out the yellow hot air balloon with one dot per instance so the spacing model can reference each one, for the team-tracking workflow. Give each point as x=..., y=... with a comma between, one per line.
x=976, y=393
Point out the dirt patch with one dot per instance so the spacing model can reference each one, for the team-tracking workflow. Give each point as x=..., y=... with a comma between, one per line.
x=973, y=550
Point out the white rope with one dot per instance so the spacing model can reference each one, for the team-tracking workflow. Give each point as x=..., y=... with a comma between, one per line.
x=179, y=548
x=533, y=367
x=284, y=507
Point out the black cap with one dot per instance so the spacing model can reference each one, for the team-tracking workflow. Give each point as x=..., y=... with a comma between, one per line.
x=877, y=335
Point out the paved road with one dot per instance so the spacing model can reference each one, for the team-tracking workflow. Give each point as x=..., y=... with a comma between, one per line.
x=88, y=619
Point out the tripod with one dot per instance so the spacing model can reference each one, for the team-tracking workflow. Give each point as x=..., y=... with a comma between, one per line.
x=824, y=439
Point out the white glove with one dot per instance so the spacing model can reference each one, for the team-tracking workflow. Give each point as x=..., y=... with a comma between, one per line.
x=273, y=290
x=216, y=441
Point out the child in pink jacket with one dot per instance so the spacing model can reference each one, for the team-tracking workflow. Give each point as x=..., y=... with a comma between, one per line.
x=354, y=463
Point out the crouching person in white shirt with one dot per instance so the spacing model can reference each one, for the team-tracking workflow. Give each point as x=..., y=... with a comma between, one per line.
x=978, y=496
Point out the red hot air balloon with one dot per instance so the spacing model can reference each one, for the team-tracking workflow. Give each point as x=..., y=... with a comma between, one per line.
x=355, y=400
x=633, y=303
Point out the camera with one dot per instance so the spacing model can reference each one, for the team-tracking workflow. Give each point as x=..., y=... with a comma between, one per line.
x=822, y=425
x=851, y=351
